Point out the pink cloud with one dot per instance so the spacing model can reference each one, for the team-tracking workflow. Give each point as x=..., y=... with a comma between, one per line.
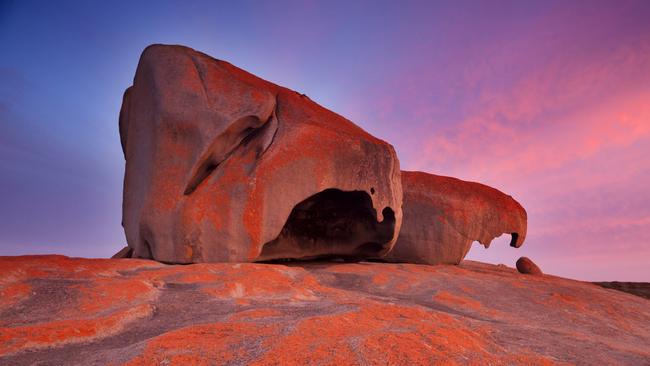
x=557, y=114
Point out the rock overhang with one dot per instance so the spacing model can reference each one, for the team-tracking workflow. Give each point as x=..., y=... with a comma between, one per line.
x=443, y=216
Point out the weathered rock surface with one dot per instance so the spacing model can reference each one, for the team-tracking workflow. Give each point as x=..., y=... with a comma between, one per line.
x=443, y=216
x=637, y=288
x=56, y=310
x=125, y=252
x=526, y=266
x=222, y=166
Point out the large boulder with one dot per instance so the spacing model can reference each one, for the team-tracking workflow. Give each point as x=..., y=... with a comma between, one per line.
x=444, y=215
x=56, y=310
x=526, y=266
x=222, y=166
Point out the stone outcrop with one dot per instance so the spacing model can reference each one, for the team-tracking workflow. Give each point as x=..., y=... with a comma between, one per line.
x=56, y=310
x=526, y=266
x=222, y=166
x=444, y=215
x=641, y=289
x=125, y=252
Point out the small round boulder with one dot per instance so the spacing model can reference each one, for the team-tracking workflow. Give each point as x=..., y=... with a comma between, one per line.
x=526, y=266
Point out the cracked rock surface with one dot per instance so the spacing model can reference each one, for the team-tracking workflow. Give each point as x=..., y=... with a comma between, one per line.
x=56, y=310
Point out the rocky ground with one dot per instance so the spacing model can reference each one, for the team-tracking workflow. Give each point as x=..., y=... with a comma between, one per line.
x=637, y=288
x=56, y=310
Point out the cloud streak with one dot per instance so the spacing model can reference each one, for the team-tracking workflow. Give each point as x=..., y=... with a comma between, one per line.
x=560, y=122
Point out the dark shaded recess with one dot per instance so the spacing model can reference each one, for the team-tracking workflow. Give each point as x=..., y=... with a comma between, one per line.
x=125, y=252
x=237, y=133
x=513, y=239
x=332, y=224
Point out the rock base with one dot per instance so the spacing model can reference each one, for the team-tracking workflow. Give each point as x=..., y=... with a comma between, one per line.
x=58, y=310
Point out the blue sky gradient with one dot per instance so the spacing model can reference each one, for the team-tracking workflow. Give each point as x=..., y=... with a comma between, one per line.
x=548, y=101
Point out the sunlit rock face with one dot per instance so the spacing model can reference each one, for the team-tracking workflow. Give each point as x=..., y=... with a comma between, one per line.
x=444, y=215
x=224, y=166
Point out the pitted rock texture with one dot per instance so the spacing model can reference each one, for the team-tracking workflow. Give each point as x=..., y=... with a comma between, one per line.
x=222, y=166
x=443, y=216
x=56, y=310
x=527, y=266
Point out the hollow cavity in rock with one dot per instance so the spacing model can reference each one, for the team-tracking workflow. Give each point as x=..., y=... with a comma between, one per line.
x=332, y=223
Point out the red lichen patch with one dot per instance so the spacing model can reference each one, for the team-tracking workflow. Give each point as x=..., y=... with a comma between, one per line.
x=385, y=334
x=311, y=313
x=108, y=293
x=518, y=284
x=58, y=266
x=381, y=279
x=59, y=333
x=199, y=277
x=13, y=294
x=568, y=300
x=313, y=339
x=456, y=300
x=205, y=344
x=467, y=289
x=270, y=282
x=83, y=268
x=19, y=269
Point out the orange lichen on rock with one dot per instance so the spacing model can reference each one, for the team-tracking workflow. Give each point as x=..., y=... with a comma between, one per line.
x=318, y=313
x=385, y=334
x=53, y=266
x=14, y=293
x=107, y=293
x=60, y=333
x=207, y=344
x=462, y=301
x=270, y=282
x=349, y=332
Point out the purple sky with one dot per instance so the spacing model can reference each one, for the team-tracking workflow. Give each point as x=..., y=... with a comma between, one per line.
x=547, y=101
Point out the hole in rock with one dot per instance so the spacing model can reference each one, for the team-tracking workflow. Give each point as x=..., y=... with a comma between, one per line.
x=500, y=251
x=372, y=190
x=513, y=240
x=332, y=224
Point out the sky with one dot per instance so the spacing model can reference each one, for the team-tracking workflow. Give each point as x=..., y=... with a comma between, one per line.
x=548, y=101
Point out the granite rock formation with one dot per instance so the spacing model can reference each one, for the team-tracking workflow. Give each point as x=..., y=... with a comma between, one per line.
x=526, y=266
x=56, y=310
x=222, y=166
x=125, y=252
x=641, y=289
x=443, y=216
